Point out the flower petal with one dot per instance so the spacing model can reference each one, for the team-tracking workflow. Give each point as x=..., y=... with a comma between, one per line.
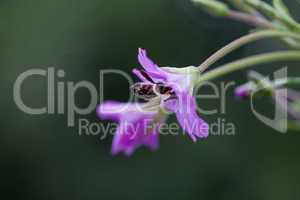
x=146, y=63
x=116, y=147
x=153, y=70
x=132, y=133
x=152, y=139
x=112, y=110
x=139, y=74
x=148, y=76
x=188, y=119
x=128, y=137
x=244, y=91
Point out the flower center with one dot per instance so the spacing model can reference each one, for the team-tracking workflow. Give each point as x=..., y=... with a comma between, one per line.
x=149, y=91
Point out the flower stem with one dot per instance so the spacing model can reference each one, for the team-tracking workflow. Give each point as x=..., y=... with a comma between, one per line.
x=242, y=41
x=249, y=62
x=287, y=82
x=252, y=20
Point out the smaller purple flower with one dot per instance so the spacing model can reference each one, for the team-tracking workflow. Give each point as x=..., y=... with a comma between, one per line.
x=257, y=82
x=244, y=91
x=166, y=90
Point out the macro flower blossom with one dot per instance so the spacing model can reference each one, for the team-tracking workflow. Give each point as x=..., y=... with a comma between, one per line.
x=165, y=90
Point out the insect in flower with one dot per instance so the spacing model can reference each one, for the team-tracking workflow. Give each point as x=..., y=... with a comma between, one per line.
x=150, y=90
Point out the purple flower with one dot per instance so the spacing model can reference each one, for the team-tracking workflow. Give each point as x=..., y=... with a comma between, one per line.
x=244, y=91
x=256, y=82
x=166, y=90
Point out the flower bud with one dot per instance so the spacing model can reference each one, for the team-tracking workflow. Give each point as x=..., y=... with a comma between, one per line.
x=213, y=7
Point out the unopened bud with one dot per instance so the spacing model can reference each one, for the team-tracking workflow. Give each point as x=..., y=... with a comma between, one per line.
x=216, y=8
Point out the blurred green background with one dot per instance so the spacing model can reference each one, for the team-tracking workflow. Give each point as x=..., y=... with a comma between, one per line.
x=41, y=158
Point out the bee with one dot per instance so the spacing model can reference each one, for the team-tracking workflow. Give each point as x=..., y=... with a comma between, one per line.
x=151, y=89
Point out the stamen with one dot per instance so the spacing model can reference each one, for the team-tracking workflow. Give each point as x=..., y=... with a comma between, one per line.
x=149, y=91
x=144, y=90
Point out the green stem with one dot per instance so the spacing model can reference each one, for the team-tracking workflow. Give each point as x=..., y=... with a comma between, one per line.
x=242, y=41
x=287, y=82
x=273, y=13
x=249, y=62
